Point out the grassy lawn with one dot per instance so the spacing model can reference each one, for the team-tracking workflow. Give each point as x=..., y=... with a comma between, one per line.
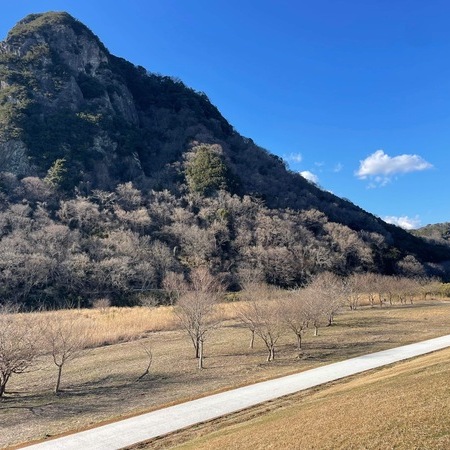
x=101, y=384
x=405, y=406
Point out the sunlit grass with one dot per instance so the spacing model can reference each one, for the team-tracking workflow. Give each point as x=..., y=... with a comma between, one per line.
x=113, y=324
x=101, y=383
x=406, y=406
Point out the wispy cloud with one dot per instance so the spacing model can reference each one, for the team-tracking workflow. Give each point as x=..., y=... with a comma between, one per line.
x=294, y=157
x=311, y=177
x=380, y=167
x=408, y=223
x=338, y=167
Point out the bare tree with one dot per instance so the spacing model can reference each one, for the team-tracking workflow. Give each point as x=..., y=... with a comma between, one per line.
x=196, y=308
x=370, y=281
x=388, y=287
x=148, y=351
x=355, y=287
x=294, y=315
x=65, y=339
x=330, y=292
x=18, y=347
x=253, y=288
x=270, y=326
x=246, y=318
x=264, y=318
x=314, y=308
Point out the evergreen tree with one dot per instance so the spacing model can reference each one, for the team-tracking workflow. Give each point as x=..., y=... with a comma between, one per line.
x=55, y=174
x=205, y=170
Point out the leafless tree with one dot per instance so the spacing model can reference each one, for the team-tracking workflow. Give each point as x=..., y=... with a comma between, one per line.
x=18, y=346
x=270, y=326
x=370, y=281
x=253, y=288
x=65, y=339
x=294, y=315
x=246, y=318
x=429, y=287
x=196, y=308
x=264, y=318
x=354, y=285
x=148, y=351
x=314, y=308
x=388, y=287
x=330, y=292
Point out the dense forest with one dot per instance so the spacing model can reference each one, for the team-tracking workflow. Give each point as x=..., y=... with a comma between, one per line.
x=111, y=177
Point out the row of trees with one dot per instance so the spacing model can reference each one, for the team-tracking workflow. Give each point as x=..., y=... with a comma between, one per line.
x=266, y=311
x=269, y=312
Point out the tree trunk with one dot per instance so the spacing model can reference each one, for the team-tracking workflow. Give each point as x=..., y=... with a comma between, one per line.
x=271, y=355
x=58, y=379
x=200, y=354
x=252, y=339
x=3, y=386
x=330, y=320
x=299, y=345
x=299, y=341
x=316, y=330
x=197, y=347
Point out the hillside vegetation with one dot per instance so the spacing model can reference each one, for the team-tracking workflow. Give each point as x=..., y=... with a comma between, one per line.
x=111, y=177
x=439, y=232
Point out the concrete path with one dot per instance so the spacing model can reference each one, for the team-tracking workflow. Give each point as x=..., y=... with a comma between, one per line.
x=157, y=423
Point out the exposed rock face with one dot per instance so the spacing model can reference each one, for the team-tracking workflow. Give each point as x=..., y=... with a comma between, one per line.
x=63, y=95
x=55, y=79
x=13, y=157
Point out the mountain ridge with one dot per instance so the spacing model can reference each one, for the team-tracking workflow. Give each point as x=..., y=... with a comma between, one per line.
x=67, y=102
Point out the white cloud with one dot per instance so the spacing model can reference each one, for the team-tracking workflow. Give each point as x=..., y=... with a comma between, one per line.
x=380, y=167
x=408, y=223
x=294, y=157
x=338, y=167
x=310, y=176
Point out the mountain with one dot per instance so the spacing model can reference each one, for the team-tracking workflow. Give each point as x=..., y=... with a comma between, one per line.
x=79, y=122
x=438, y=232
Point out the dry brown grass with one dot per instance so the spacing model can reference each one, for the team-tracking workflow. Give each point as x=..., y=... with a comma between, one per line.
x=101, y=384
x=112, y=325
x=406, y=406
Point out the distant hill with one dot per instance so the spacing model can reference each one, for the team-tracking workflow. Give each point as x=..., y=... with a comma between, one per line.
x=439, y=232
x=79, y=122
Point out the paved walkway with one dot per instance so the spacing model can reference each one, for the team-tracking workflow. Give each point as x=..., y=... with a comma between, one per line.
x=157, y=423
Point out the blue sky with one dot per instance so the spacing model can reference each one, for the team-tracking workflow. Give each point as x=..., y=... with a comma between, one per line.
x=353, y=94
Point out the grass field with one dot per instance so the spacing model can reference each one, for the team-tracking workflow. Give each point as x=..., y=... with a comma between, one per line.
x=405, y=406
x=101, y=384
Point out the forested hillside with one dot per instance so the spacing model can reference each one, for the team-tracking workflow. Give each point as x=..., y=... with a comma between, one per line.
x=112, y=177
x=439, y=232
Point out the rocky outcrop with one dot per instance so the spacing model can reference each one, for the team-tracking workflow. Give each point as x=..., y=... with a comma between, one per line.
x=55, y=73
x=13, y=158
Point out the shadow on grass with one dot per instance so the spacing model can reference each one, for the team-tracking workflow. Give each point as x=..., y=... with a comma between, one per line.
x=94, y=396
